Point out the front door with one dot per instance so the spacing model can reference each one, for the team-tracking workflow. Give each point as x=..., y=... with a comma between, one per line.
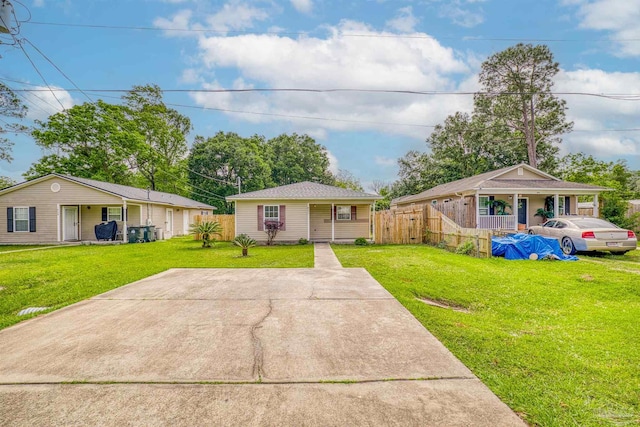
x=70, y=223
x=168, y=224
x=522, y=211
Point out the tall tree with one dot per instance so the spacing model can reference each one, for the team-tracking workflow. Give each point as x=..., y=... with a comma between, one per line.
x=296, y=158
x=12, y=108
x=164, y=138
x=216, y=163
x=92, y=140
x=516, y=101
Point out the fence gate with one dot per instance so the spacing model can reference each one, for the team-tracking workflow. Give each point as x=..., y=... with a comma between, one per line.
x=394, y=227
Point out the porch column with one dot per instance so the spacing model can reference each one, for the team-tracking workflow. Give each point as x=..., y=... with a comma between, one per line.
x=477, y=209
x=125, y=237
x=58, y=221
x=333, y=223
x=308, y=221
x=556, y=208
x=596, y=206
x=372, y=218
x=514, y=209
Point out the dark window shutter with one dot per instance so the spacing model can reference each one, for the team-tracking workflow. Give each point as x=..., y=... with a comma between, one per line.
x=335, y=212
x=9, y=220
x=104, y=214
x=260, y=217
x=492, y=210
x=126, y=214
x=354, y=213
x=32, y=219
x=283, y=217
x=567, y=205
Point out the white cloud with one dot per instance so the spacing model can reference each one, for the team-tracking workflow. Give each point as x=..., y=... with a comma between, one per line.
x=190, y=76
x=338, y=62
x=593, y=115
x=38, y=3
x=461, y=15
x=619, y=17
x=385, y=161
x=404, y=22
x=231, y=16
x=303, y=6
x=42, y=102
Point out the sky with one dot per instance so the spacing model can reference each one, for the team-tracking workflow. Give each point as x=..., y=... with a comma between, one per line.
x=106, y=46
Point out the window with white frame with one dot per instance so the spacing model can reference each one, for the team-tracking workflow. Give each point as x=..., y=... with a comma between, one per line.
x=21, y=219
x=114, y=214
x=272, y=213
x=483, y=208
x=343, y=213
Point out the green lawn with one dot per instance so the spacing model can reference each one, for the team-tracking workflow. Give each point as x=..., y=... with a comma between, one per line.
x=559, y=342
x=61, y=276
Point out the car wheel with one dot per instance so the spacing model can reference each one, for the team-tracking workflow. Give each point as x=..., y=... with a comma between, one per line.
x=531, y=232
x=567, y=246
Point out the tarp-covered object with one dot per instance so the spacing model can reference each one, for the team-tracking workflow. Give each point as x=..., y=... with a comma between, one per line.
x=106, y=231
x=521, y=246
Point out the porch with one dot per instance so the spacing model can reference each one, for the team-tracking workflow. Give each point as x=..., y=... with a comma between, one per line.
x=339, y=222
x=497, y=211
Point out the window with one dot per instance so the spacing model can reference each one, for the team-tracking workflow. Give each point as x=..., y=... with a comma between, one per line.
x=484, y=205
x=343, y=213
x=114, y=214
x=21, y=219
x=272, y=213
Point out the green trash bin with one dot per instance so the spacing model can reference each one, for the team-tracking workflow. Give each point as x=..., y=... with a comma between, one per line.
x=149, y=233
x=135, y=234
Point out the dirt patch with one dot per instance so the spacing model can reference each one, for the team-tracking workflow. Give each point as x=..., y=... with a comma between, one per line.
x=587, y=278
x=441, y=304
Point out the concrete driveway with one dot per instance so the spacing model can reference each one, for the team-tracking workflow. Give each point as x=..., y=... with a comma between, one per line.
x=323, y=346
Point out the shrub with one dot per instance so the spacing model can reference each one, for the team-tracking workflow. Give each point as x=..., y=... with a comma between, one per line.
x=465, y=248
x=442, y=244
x=206, y=230
x=361, y=241
x=245, y=242
x=272, y=228
x=303, y=241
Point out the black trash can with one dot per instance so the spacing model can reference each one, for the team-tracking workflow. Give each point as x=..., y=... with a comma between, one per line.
x=135, y=234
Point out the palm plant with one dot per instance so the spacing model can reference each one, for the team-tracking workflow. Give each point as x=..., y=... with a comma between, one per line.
x=206, y=230
x=245, y=242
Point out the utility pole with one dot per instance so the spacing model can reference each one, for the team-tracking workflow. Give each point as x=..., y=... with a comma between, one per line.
x=238, y=180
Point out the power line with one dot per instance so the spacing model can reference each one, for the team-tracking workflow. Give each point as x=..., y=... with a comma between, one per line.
x=58, y=68
x=39, y=73
x=614, y=96
x=303, y=33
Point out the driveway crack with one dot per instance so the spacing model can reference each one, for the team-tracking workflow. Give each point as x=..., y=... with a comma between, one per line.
x=258, y=351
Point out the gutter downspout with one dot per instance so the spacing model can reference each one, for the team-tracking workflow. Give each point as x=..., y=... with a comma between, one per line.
x=125, y=235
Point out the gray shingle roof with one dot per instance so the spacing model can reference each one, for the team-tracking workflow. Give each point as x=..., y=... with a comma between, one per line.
x=491, y=180
x=139, y=194
x=304, y=191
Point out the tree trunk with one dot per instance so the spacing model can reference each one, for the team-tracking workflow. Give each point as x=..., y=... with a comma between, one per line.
x=245, y=251
x=531, y=149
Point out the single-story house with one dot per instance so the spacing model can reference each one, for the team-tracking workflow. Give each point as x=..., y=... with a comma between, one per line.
x=521, y=190
x=60, y=208
x=305, y=210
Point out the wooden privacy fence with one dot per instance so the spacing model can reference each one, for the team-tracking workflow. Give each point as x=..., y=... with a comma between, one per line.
x=227, y=222
x=394, y=227
x=425, y=224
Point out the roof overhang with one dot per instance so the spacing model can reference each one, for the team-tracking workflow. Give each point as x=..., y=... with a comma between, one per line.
x=304, y=199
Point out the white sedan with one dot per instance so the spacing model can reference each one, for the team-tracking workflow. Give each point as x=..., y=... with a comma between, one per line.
x=587, y=234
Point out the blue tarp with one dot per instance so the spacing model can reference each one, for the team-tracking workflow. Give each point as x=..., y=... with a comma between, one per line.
x=520, y=246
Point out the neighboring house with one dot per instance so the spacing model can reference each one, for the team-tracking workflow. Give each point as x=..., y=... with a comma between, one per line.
x=308, y=210
x=61, y=208
x=522, y=187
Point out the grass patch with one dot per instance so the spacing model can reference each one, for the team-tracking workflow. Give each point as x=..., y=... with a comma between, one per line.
x=56, y=278
x=556, y=341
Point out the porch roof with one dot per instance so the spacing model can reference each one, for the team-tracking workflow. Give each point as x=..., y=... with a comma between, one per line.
x=536, y=184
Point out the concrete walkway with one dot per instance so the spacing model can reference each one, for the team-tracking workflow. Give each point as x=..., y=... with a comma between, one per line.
x=323, y=256
x=264, y=347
